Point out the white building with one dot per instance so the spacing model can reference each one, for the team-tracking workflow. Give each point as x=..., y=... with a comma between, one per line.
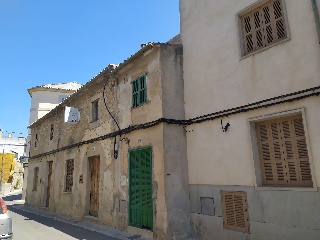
x=251, y=81
x=10, y=144
x=46, y=97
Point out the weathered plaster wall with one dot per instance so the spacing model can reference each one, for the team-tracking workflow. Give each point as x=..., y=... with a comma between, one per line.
x=175, y=145
x=140, y=139
x=164, y=86
x=165, y=99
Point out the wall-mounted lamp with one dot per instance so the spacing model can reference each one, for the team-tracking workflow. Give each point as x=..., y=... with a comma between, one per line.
x=225, y=127
x=115, y=148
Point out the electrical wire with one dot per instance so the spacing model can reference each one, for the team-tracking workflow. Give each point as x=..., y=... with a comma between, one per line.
x=203, y=118
x=115, y=151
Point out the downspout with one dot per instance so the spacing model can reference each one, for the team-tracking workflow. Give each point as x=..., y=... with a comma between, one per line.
x=316, y=16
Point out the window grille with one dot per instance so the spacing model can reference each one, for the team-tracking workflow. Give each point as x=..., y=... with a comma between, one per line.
x=51, y=131
x=263, y=26
x=235, y=211
x=69, y=175
x=35, y=179
x=283, y=152
x=95, y=112
x=36, y=140
x=139, y=91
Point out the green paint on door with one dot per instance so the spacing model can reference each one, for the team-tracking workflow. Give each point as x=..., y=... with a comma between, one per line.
x=140, y=188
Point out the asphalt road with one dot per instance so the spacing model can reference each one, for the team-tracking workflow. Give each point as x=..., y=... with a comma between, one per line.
x=29, y=226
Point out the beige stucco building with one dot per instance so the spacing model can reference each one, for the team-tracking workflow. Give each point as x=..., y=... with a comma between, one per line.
x=124, y=163
x=251, y=77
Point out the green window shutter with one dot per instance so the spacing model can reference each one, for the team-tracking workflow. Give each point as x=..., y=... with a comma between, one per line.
x=140, y=188
x=143, y=90
x=139, y=91
x=135, y=93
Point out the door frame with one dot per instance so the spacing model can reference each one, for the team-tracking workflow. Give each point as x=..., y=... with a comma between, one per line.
x=46, y=201
x=89, y=182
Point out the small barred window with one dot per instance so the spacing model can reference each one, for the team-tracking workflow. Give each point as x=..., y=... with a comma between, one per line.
x=69, y=175
x=95, y=110
x=51, y=131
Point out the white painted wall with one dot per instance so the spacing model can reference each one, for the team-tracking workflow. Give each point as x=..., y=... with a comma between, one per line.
x=216, y=78
x=43, y=101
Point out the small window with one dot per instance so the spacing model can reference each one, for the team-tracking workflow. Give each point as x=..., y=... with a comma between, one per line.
x=35, y=179
x=283, y=153
x=36, y=140
x=51, y=131
x=139, y=91
x=263, y=26
x=95, y=112
x=235, y=211
x=69, y=175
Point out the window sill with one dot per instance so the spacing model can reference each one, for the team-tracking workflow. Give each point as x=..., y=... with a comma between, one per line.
x=94, y=124
x=263, y=49
x=147, y=102
x=64, y=192
x=293, y=189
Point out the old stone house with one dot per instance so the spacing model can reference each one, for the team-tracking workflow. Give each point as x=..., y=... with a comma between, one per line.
x=251, y=90
x=122, y=162
x=43, y=99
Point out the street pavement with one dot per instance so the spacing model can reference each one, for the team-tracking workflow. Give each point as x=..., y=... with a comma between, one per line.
x=36, y=224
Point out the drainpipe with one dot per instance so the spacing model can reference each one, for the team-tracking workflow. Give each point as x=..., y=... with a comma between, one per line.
x=316, y=16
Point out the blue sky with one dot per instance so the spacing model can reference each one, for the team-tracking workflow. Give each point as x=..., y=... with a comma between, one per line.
x=59, y=41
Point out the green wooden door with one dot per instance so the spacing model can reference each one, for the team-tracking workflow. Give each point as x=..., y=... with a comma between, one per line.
x=140, y=188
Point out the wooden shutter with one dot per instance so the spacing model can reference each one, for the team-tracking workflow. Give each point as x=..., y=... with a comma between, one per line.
x=253, y=31
x=263, y=26
x=135, y=93
x=283, y=152
x=235, y=211
x=143, y=91
x=139, y=91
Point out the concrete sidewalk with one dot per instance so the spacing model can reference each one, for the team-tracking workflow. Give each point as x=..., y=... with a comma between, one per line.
x=108, y=231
